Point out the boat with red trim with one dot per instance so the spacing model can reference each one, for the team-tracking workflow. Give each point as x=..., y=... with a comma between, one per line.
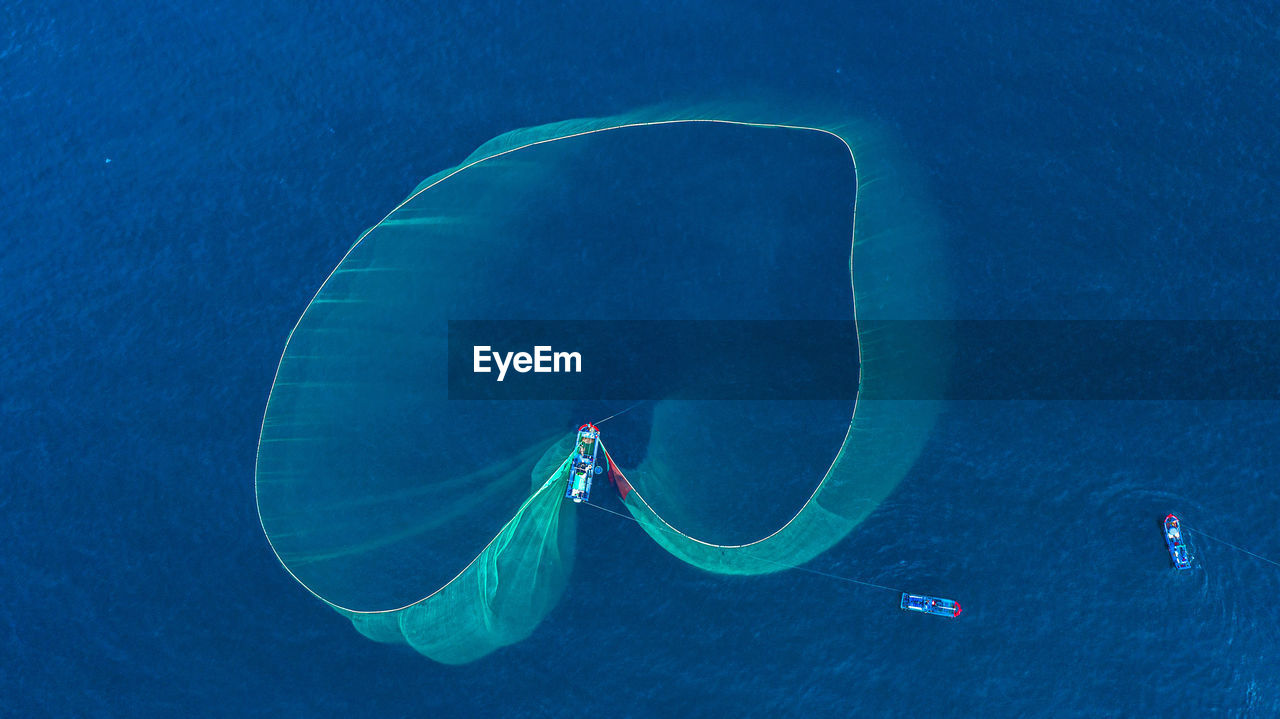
x=584, y=465
x=930, y=605
x=1177, y=543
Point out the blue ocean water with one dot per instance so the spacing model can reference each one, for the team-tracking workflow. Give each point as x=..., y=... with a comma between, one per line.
x=177, y=181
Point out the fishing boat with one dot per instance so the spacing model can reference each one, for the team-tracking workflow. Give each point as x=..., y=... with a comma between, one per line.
x=584, y=465
x=930, y=605
x=1177, y=543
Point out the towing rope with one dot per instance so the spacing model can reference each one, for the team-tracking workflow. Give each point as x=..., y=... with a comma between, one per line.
x=1237, y=548
x=615, y=414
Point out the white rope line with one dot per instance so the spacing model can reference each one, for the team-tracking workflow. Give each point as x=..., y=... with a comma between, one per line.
x=1229, y=544
x=615, y=414
x=410, y=198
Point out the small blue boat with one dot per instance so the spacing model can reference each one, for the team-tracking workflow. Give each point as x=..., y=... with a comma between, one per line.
x=930, y=605
x=584, y=466
x=1177, y=543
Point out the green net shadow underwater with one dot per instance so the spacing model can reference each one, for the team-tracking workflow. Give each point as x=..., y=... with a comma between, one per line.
x=443, y=525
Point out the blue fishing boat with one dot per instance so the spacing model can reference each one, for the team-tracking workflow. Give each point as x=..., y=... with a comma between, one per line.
x=930, y=605
x=1177, y=543
x=584, y=465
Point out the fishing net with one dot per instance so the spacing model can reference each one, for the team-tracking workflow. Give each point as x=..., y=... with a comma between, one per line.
x=442, y=524
x=895, y=277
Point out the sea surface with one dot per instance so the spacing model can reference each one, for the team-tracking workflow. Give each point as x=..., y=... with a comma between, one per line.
x=177, y=180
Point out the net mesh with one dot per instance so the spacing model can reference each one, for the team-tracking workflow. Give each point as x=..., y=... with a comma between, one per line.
x=443, y=525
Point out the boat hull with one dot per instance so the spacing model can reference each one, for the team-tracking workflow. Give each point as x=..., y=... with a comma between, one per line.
x=1175, y=539
x=930, y=605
